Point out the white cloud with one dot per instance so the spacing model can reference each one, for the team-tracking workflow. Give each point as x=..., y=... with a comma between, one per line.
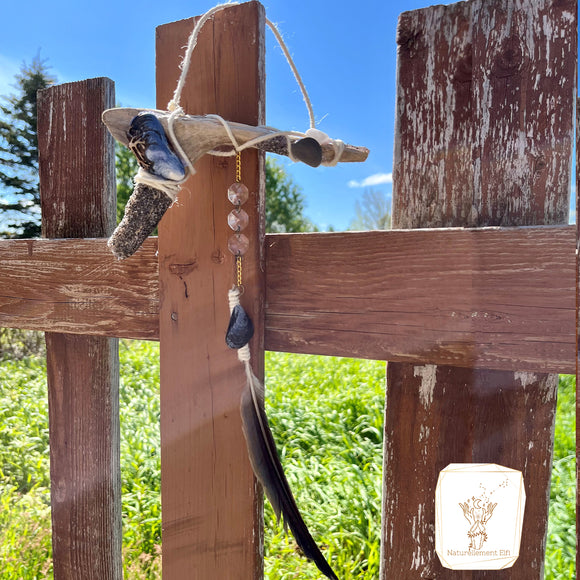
x=376, y=179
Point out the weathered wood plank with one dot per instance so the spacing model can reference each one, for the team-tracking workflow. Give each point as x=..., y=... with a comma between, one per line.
x=577, y=332
x=434, y=91
x=79, y=287
x=483, y=137
x=78, y=198
x=445, y=297
x=469, y=91
x=211, y=504
x=442, y=414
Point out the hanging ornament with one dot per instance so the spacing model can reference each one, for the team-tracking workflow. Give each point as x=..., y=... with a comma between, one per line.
x=241, y=328
x=167, y=161
x=259, y=439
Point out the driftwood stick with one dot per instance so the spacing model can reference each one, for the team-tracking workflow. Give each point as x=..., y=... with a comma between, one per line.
x=198, y=135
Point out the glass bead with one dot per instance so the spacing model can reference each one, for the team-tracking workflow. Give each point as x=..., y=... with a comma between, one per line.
x=238, y=245
x=238, y=219
x=238, y=193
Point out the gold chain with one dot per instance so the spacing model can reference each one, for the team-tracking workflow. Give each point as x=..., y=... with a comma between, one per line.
x=239, y=271
x=238, y=167
x=239, y=257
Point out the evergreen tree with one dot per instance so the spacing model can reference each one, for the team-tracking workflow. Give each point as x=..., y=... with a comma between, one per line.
x=19, y=191
x=126, y=167
x=284, y=202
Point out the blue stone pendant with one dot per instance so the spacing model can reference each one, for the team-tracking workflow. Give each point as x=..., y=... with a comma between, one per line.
x=149, y=144
x=241, y=328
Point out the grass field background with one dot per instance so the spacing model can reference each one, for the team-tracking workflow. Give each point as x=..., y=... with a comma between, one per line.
x=326, y=415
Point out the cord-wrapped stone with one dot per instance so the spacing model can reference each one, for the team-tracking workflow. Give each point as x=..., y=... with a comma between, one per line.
x=240, y=329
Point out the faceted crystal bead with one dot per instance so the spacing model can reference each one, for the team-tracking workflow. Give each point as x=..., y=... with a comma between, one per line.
x=238, y=193
x=238, y=219
x=238, y=245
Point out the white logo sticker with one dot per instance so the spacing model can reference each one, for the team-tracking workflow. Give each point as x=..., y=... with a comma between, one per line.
x=479, y=512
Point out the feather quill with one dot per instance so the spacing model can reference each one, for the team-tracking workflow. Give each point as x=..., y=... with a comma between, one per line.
x=269, y=471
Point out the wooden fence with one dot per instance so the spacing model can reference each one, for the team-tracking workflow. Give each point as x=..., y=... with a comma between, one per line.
x=479, y=318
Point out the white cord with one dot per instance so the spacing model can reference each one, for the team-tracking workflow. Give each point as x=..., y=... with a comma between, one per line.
x=191, y=44
x=176, y=111
x=297, y=76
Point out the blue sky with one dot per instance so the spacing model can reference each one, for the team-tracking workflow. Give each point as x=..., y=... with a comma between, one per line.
x=346, y=53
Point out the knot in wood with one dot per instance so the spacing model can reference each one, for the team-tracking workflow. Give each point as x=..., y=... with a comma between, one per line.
x=463, y=72
x=510, y=59
x=218, y=257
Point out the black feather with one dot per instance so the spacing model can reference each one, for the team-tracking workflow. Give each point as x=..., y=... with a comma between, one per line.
x=268, y=469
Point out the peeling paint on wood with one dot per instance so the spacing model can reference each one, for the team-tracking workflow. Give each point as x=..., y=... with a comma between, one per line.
x=483, y=137
x=428, y=374
x=525, y=379
x=476, y=78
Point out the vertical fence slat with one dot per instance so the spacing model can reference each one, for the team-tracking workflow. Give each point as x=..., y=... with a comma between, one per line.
x=211, y=505
x=483, y=137
x=577, y=333
x=78, y=196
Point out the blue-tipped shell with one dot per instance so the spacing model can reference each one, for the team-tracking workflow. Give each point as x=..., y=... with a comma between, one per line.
x=149, y=143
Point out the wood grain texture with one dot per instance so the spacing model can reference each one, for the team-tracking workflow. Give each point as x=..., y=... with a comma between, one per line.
x=483, y=137
x=78, y=286
x=389, y=305
x=211, y=503
x=77, y=172
x=469, y=90
x=77, y=185
x=85, y=478
x=466, y=297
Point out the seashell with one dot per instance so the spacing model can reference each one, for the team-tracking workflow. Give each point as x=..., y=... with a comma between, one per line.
x=307, y=150
x=240, y=329
x=148, y=142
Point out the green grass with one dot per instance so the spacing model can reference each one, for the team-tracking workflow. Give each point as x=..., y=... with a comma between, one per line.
x=327, y=417
x=561, y=550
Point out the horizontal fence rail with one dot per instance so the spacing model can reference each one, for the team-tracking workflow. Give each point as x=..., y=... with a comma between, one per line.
x=499, y=298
